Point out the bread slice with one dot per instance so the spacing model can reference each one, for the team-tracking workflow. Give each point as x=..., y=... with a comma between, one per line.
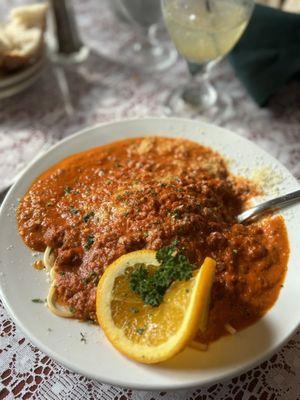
x=22, y=37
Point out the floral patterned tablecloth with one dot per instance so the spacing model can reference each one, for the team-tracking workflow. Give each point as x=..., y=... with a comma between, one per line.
x=67, y=99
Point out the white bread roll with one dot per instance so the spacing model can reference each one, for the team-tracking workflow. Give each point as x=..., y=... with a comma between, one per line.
x=22, y=37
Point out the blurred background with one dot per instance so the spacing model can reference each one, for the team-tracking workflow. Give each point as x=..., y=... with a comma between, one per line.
x=126, y=65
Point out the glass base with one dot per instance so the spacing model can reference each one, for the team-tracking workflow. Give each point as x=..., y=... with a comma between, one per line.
x=202, y=97
x=149, y=58
x=73, y=58
x=199, y=102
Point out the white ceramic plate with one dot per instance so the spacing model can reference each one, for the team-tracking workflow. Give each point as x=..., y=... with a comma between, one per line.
x=97, y=358
x=17, y=82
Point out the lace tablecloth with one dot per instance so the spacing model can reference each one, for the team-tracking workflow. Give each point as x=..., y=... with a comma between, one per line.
x=103, y=89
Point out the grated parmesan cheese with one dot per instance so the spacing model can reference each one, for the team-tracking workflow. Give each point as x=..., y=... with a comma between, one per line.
x=198, y=346
x=230, y=329
x=267, y=179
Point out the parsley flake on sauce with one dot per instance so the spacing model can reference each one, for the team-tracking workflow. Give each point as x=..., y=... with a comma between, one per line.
x=151, y=287
x=74, y=210
x=87, y=216
x=175, y=214
x=91, y=277
x=68, y=190
x=89, y=242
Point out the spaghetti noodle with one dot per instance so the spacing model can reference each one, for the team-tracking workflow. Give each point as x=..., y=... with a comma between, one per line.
x=53, y=305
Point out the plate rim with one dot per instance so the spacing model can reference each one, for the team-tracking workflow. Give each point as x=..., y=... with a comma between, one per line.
x=116, y=382
x=27, y=72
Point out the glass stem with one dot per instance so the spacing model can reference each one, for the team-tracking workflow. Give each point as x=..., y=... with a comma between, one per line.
x=143, y=39
x=199, y=92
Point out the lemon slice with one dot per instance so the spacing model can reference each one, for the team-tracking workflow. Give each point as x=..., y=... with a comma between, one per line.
x=152, y=334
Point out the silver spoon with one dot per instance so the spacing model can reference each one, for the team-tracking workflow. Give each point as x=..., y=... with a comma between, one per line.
x=270, y=205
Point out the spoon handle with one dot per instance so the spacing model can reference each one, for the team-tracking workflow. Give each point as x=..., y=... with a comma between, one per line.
x=270, y=205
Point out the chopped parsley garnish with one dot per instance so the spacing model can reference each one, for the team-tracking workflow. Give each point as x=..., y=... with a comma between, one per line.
x=174, y=266
x=62, y=273
x=49, y=203
x=83, y=338
x=74, y=210
x=92, y=277
x=87, y=216
x=89, y=242
x=68, y=190
x=134, y=310
x=140, y=331
x=72, y=309
x=175, y=214
x=40, y=301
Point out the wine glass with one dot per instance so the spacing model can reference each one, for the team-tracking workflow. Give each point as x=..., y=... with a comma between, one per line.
x=203, y=31
x=147, y=52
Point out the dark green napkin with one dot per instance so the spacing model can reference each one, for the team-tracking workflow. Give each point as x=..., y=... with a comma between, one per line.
x=268, y=54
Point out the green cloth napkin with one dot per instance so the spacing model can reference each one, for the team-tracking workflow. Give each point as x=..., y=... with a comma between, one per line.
x=268, y=54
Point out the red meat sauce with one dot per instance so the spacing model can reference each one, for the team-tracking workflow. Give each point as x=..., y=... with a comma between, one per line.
x=97, y=205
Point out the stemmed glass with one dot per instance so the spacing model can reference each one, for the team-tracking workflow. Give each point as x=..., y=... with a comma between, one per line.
x=147, y=52
x=203, y=32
